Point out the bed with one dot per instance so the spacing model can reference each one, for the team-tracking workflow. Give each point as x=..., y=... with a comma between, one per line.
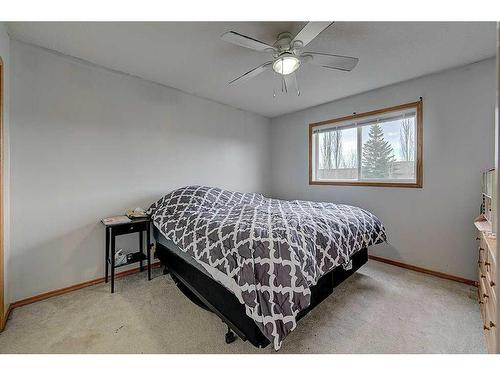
x=260, y=264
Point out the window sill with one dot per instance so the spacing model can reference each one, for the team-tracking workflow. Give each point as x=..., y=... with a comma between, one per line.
x=416, y=185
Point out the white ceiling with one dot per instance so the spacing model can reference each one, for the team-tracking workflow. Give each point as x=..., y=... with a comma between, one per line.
x=190, y=56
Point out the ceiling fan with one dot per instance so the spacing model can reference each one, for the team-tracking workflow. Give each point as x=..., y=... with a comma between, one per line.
x=288, y=55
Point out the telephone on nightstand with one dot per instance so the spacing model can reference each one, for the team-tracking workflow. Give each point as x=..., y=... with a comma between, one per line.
x=136, y=213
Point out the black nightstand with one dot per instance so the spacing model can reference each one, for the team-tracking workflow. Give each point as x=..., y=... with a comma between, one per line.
x=135, y=226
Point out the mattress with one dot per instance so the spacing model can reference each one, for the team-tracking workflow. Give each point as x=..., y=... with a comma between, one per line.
x=211, y=272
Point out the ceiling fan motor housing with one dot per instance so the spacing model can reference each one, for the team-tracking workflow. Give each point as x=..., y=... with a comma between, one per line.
x=284, y=44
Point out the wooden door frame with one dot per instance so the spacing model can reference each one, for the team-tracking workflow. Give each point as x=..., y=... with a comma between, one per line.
x=2, y=285
x=496, y=221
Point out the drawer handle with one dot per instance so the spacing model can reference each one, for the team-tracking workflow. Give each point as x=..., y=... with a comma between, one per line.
x=492, y=283
x=485, y=295
x=487, y=263
x=486, y=328
x=492, y=324
x=132, y=227
x=481, y=249
x=483, y=277
x=477, y=238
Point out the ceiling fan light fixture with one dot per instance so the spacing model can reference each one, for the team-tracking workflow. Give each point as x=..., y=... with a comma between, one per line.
x=286, y=64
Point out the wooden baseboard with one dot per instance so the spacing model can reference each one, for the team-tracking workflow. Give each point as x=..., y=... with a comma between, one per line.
x=58, y=292
x=3, y=322
x=424, y=270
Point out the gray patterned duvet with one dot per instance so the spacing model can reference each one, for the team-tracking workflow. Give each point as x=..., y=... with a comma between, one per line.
x=268, y=251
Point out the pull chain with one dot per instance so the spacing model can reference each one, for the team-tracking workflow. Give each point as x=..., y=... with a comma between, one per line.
x=297, y=83
x=274, y=85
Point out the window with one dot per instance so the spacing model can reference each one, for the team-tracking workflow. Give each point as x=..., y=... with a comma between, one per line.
x=377, y=148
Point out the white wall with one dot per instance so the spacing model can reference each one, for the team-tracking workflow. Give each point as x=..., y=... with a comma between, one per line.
x=430, y=227
x=4, y=54
x=88, y=143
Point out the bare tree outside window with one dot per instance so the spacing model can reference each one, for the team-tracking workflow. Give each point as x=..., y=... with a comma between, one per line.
x=351, y=161
x=326, y=151
x=337, y=149
x=406, y=136
x=331, y=150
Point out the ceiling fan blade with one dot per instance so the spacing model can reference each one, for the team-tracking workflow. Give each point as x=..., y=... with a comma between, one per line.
x=345, y=63
x=252, y=73
x=310, y=31
x=245, y=41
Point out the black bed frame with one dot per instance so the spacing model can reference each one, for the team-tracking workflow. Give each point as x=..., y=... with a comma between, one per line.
x=211, y=295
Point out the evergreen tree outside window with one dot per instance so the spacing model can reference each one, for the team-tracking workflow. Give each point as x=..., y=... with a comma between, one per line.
x=378, y=155
x=377, y=148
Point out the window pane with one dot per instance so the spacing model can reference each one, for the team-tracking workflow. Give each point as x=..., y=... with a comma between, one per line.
x=337, y=155
x=375, y=148
x=388, y=150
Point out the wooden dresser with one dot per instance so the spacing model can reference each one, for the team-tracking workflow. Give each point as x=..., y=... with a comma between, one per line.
x=487, y=287
x=487, y=261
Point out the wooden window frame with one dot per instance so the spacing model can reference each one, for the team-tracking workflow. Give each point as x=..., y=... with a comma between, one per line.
x=419, y=147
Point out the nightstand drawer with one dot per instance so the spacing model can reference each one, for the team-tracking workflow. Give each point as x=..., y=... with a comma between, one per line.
x=130, y=228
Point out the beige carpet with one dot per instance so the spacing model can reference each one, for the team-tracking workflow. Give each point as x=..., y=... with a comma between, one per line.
x=380, y=309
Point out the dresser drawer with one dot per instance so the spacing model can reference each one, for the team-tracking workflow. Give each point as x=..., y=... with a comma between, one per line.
x=130, y=228
x=481, y=258
x=482, y=252
x=481, y=269
x=487, y=259
x=487, y=302
x=482, y=307
x=484, y=289
x=491, y=288
x=490, y=339
x=489, y=328
x=490, y=267
x=488, y=243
